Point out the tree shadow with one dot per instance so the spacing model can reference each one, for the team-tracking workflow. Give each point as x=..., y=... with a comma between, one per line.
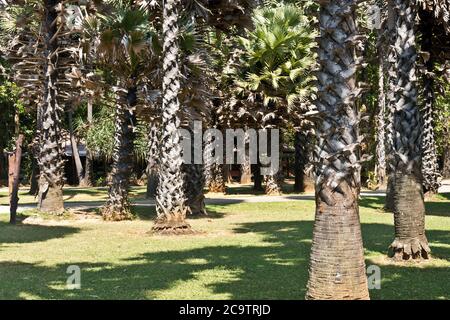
x=438, y=208
x=432, y=208
x=147, y=213
x=25, y=233
x=275, y=269
x=376, y=203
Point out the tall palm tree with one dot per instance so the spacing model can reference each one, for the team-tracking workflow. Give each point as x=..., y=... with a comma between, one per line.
x=408, y=200
x=23, y=47
x=430, y=166
x=337, y=269
x=171, y=200
x=51, y=164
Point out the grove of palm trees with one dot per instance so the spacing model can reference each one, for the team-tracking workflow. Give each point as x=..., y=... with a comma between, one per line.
x=226, y=149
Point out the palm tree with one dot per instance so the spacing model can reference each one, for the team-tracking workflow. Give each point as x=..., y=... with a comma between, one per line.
x=430, y=166
x=124, y=53
x=275, y=69
x=408, y=200
x=51, y=164
x=171, y=204
x=337, y=269
x=36, y=68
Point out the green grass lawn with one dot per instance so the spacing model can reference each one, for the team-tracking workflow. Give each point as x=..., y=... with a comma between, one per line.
x=73, y=194
x=242, y=251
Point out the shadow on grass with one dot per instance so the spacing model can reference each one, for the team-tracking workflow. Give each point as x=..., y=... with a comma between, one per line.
x=237, y=189
x=432, y=208
x=25, y=233
x=276, y=270
x=149, y=213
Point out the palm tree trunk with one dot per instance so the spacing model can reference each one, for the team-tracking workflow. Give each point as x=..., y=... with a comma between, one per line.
x=34, y=186
x=117, y=207
x=258, y=179
x=51, y=164
x=430, y=166
x=391, y=80
x=14, y=192
x=153, y=154
x=34, y=181
x=246, y=168
x=214, y=172
x=337, y=268
x=89, y=164
x=381, y=124
x=274, y=182
x=171, y=200
x=301, y=158
x=194, y=185
x=75, y=153
x=446, y=156
x=216, y=182
x=409, y=210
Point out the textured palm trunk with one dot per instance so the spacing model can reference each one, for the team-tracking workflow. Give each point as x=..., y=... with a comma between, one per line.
x=301, y=158
x=194, y=185
x=246, y=167
x=214, y=172
x=171, y=200
x=430, y=166
x=51, y=164
x=89, y=164
x=117, y=207
x=274, y=182
x=216, y=181
x=446, y=156
x=381, y=124
x=75, y=152
x=34, y=183
x=391, y=81
x=337, y=269
x=258, y=179
x=153, y=154
x=409, y=210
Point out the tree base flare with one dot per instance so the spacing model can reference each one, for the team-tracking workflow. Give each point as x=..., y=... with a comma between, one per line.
x=51, y=200
x=217, y=189
x=109, y=213
x=172, y=228
x=409, y=249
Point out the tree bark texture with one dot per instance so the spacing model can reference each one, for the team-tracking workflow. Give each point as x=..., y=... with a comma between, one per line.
x=171, y=206
x=407, y=141
x=117, y=207
x=51, y=163
x=337, y=269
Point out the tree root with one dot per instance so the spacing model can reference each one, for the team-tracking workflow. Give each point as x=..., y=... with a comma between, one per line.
x=406, y=249
x=172, y=228
x=109, y=214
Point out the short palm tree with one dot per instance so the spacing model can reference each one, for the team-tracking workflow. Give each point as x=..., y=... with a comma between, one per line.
x=337, y=268
x=275, y=68
x=123, y=37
